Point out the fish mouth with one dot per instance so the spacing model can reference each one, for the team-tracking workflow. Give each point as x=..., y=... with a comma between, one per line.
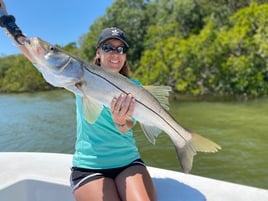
x=26, y=41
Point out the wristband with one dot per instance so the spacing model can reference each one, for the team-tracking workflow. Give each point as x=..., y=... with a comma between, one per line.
x=8, y=22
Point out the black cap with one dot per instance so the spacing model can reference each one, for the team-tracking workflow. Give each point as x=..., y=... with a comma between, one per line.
x=111, y=33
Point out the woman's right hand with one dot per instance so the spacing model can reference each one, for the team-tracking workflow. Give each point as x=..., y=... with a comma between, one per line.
x=122, y=108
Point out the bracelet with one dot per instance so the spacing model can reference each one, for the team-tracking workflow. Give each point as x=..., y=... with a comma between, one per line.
x=8, y=22
x=120, y=125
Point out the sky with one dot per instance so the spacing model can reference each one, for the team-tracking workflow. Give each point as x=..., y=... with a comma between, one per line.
x=56, y=21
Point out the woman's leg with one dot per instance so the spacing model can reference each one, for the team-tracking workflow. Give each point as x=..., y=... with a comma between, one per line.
x=103, y=189
x=135, y=184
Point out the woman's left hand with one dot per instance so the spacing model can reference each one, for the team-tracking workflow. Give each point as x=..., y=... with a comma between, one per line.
x=121, y=109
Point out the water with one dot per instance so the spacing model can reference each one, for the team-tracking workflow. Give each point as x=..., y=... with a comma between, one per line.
x=45, y=122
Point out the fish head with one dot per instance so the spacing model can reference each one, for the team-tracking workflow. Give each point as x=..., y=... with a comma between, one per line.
x=46, y=56
x=58, y=67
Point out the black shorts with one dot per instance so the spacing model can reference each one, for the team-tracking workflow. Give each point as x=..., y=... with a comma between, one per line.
x=81, y=176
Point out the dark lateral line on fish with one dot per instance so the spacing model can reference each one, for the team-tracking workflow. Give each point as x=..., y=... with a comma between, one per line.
x=138, y=102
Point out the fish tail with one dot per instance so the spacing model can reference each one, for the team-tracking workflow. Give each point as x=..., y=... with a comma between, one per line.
x=198, y=143
x=186, y=156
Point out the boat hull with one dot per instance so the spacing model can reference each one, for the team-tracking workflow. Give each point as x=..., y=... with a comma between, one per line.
x=45, y=176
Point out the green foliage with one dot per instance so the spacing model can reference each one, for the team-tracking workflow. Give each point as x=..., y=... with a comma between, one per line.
x=5, y=63
x=243, y=67
x=230, y=60
x=181, y=63
x=21, y=76
x=197, y=47
x=71, y=48
x=184, y=12
x=160, y=57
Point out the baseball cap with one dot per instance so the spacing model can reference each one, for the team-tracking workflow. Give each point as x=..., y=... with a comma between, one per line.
x=111, y=33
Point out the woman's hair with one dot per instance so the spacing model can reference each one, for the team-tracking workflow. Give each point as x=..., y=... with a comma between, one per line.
x=125, y=70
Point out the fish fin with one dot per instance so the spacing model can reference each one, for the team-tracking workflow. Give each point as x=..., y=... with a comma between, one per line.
x=91, y=109
x=203, y=144
x=161, y=93
x=150, y=132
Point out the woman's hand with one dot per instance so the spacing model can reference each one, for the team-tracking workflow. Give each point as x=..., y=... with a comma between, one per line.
x=121, y=109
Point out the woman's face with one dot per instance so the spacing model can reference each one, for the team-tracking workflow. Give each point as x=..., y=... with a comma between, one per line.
x=112, y=60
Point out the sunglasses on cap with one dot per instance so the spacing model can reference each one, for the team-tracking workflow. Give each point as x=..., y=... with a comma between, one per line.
x=109, y=48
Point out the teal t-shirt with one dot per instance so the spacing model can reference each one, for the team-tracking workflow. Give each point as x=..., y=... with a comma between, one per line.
x=101, y=145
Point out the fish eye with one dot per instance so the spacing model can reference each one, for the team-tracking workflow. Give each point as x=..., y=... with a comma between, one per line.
x=52, y=48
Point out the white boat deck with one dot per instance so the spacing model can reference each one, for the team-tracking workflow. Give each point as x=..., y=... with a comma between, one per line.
x=45, y=176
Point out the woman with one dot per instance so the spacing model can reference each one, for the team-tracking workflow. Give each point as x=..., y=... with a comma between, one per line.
x=106, y=162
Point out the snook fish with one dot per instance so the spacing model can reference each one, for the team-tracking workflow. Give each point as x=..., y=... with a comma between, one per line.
x=98, y=87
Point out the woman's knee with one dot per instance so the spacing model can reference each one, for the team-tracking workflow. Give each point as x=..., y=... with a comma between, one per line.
x=135, y=183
